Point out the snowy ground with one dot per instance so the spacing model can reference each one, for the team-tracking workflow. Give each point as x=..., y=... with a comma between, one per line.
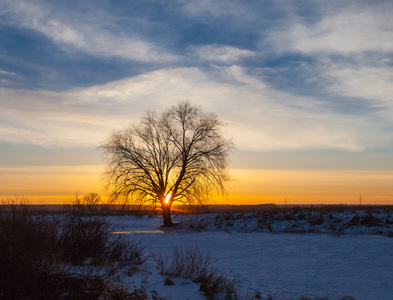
x=356, y=260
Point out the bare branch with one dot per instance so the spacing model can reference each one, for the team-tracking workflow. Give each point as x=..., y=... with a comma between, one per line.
x=180, y=152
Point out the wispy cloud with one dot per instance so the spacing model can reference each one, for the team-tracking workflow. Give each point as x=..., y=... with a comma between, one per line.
x=6, y=77
x=221, y=53
x=346, y=31
x=374, y=83
x=6, y=73
x=257, y=117
x=76, y=33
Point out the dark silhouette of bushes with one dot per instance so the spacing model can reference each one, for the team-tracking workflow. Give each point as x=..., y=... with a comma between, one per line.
x=213, y=284
x=89, y=239
x=28, y=253
x=369, y=220
x=354, y=221
x=84, y=238
x=36, y=250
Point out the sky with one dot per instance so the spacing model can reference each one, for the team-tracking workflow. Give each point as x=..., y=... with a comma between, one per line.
x=304, y=89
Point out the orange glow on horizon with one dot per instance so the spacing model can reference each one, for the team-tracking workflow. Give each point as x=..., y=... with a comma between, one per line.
x=58, y=185
x=311, y=187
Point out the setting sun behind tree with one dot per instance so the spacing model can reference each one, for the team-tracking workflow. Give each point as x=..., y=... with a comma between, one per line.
x=178, y=155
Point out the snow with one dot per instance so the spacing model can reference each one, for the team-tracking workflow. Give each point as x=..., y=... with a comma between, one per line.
x=356, y=262
x=346, y=222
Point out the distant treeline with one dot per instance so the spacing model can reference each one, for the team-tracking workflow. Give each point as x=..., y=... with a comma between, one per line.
x=196, y=209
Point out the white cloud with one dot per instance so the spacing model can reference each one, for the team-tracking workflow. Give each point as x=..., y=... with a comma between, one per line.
x=6, y=73
x=60, y=32
x=257, y=117
x=220, y=53
x=346, y=32
x=85, y=35
x=5, y=77
x=368, y=82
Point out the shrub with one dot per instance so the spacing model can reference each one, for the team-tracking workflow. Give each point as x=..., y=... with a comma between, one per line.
x=88, y=239
x=316, y=219
x=125, y=252
x=369, y=220
x=33, y=250
x=84, y=238
x=91, y=201
x=28, y=247
x=189, y=263
x=214, y=285
x=169, y=281
x=30, y=259
x=354, y=221
x=194, y=264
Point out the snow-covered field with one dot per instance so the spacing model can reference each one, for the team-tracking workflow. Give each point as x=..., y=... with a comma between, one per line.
x=355, y=259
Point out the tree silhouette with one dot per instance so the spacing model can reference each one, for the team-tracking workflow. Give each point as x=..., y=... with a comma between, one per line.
x=178, y=155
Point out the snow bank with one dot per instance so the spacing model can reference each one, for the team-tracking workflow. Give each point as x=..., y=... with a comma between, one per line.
x=347, y=222
x=354, y=261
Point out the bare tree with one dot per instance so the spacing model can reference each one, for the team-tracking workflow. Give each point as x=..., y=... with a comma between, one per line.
x=178, y=155
x=91, y=201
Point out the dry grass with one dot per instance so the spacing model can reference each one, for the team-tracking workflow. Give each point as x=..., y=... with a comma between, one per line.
x=216, y=286
x=184, y=263
x=194, y=264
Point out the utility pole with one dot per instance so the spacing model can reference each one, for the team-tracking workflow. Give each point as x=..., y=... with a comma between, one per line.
x=360, y=200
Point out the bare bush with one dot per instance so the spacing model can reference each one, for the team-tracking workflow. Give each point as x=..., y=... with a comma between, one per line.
x=188, y=263
x=29, y=258
x=88, y=239
x=34, y=250
x=216, y=286
x=91, y=202
x=126, y=252
x=84, y=238
x=194, y=264
x=369, y=220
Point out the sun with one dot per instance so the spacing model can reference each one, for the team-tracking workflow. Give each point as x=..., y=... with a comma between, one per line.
x=167, y=198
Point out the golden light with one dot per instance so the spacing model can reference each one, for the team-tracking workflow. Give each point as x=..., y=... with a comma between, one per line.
x=167, y=198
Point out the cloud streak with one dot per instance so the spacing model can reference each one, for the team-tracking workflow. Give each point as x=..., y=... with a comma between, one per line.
x=91, y=37
x=350, y=31
x=223, y=54
x=265, y=119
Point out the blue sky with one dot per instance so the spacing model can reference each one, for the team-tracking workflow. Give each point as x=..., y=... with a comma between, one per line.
x=298, y=84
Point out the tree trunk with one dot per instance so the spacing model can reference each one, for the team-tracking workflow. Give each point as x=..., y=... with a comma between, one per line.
x=166, y=213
